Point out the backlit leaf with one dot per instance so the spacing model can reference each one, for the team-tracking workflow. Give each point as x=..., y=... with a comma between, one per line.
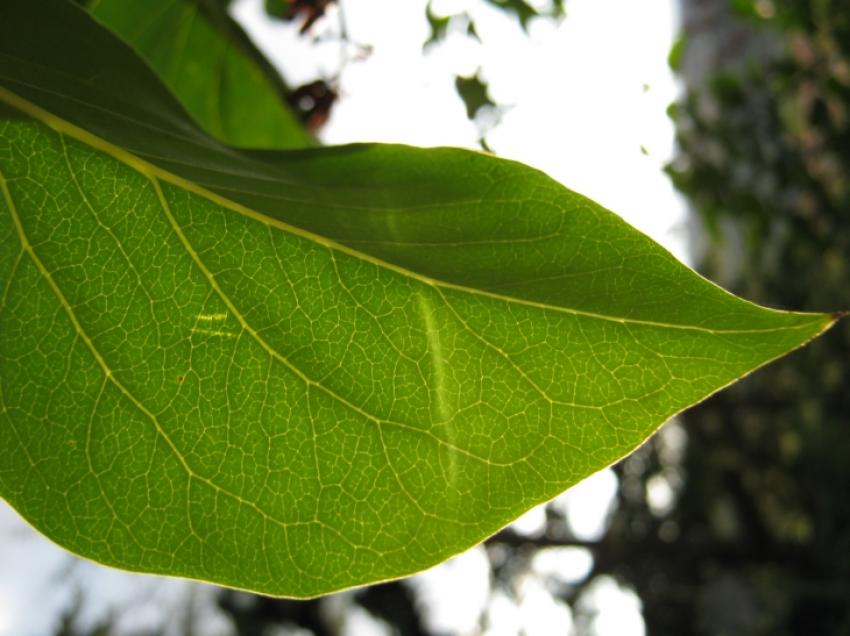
x=295, y=372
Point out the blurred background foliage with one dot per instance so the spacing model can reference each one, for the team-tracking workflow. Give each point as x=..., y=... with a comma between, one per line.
x=735, y=519
x=761, y=540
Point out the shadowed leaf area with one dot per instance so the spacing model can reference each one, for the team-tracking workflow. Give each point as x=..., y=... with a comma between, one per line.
x=296, y=372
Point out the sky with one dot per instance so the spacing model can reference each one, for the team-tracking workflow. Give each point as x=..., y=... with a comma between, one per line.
x=585, y=102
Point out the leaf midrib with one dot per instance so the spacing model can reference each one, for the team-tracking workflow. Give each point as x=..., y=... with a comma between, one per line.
x=152, y=171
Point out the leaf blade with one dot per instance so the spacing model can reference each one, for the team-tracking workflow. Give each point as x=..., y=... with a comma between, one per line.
x=208, y=61
x=346, y=415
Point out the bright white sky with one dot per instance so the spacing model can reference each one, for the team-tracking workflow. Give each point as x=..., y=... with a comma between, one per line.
x=585, y=97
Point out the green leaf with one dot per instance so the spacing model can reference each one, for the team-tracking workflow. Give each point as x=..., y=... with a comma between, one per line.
x=439, y=25
x=212, y=66
x=295, y=372
x=523, y=11
x=475, y=94
x=677, y=53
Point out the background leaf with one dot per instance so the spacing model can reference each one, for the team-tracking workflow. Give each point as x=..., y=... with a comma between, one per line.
x=523, y=11
x=294, y=372
x=212, y=66
x=474, y=93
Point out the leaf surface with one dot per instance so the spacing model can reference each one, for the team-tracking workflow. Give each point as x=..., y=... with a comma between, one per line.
x=212, y=66
x=295, y=372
